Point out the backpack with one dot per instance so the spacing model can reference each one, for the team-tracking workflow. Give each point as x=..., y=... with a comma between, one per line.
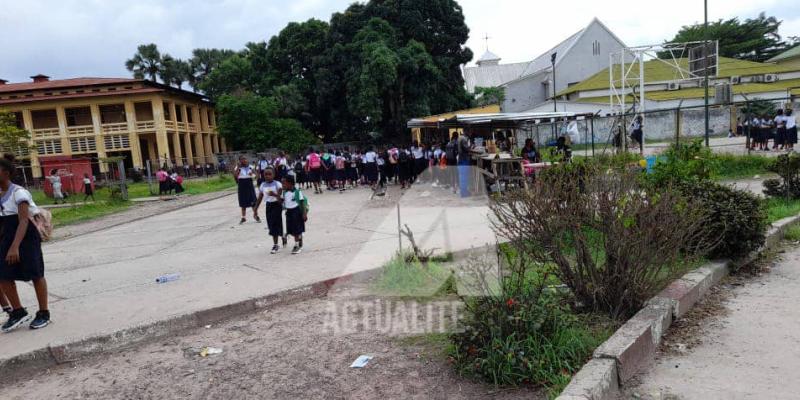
x=303, y=203
x=40, y=218
x=403, y=156
x=314, y=161
x=298, y=167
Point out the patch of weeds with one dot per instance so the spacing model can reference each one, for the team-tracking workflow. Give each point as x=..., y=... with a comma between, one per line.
x=406, y=276
x=779, y=208
x=792, y=233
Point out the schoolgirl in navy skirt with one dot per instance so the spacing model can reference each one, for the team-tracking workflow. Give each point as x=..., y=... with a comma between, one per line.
x=270, y=192
x=296, y=205
x=247, y=194
x=20, y=250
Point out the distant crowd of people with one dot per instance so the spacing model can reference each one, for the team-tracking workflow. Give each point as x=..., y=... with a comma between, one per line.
x=781, y=129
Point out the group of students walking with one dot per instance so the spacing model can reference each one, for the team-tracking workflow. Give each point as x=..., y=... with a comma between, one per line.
x=280, y=195
x=781, y=129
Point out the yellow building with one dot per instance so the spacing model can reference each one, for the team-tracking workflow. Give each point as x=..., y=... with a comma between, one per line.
x=105, y=117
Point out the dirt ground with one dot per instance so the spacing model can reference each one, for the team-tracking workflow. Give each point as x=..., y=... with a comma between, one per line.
x=281, y=353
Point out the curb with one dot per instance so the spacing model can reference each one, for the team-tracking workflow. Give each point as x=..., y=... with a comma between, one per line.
x=54, y=354
x=632, y=348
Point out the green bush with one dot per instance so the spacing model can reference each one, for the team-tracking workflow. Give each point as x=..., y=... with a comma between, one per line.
x=737, y=218
x=531, y=338
x=683, y=162
x=787, y=167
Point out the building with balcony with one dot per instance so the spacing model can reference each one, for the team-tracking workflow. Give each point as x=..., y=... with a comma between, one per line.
x=105, y=117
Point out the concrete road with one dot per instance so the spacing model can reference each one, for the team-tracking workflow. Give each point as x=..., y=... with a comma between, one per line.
x=751, y=352
x=104, y=281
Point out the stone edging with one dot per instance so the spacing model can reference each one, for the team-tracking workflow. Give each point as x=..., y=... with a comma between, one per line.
x=632, y=348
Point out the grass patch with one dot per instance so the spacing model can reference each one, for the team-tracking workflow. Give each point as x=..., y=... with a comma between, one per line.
x=778, y=209
x=792, y=233
x=404, y=277
x=105, y=204
x=745, y=166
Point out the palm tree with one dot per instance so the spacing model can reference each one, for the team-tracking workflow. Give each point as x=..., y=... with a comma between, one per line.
x=146, y=62
x=174, y=71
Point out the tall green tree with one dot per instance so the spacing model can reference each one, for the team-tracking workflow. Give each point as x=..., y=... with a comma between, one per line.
x=145, y=63
x=253, y=122
x=12, y=137
x=174, y=71
x=204, y=61
x=754, y=39
x=485, y=96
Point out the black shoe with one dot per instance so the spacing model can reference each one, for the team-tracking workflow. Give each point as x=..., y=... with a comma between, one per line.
x=275, y=249
x=243, y=220
x=297, y=249
x=15, y=319
x=42, y=319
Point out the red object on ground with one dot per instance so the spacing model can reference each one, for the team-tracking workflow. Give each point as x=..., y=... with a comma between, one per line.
x=71, y=171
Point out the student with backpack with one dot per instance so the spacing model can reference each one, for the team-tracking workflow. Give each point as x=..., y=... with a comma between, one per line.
x=314, y=167
x=20, y=249
x=296, y=205
x=405, y=167
x=341, y=171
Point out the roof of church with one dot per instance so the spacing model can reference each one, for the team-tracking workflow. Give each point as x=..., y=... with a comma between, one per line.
x=489, y=56
x=491, y=75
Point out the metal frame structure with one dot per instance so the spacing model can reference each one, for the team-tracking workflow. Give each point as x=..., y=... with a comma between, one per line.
x=631, y=62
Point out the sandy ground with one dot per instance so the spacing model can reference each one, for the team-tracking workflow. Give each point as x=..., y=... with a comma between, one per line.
x=281, y=353
x=740, y=343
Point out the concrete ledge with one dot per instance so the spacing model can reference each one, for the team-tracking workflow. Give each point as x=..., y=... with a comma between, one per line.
x=633, y=346
x=597, y=380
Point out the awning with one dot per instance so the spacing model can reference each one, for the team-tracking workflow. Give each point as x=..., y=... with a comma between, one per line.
x=497, y=120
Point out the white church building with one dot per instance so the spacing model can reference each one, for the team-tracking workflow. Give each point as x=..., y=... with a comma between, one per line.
x=530, y=84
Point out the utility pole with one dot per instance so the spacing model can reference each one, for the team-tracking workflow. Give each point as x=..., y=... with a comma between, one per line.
x=705, y=65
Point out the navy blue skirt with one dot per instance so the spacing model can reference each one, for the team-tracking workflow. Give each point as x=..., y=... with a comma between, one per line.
x=295, y=225
x=275, y=219
x=247, y=193
x=31, y=262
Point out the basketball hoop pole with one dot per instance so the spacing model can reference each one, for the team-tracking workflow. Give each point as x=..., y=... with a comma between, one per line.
x=705, y=65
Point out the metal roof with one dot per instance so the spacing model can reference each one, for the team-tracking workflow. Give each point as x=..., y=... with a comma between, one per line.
x=495, y=119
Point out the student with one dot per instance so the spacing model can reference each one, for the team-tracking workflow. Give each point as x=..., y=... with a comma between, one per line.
x=300, y=172
x=341, y=171
x=244, y=174
x=280, y=166
x=371, y=167
x=87, y=188
x=418, y=152
x=381, y=162
x=163, y=185
x=405, y=167
x=791, y=128
x=296, y=205
x=314, y=168
x=262, y=166
x=20, y=250
x=55, y=182
x=177, y=182
x=780, y=131
x=270, y=192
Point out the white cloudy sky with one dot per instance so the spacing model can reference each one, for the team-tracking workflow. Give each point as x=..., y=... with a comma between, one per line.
x=70, y=38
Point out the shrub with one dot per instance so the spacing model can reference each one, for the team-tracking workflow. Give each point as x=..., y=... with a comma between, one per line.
x=787, y=167
x=737, y=219
x=684, y=162
x=613, y=242
x=522, y=333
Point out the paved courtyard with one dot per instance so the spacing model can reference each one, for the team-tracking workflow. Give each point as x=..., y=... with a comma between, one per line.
x=104, y=281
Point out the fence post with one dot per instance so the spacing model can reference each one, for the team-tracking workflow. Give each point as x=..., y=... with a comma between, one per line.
x=399, y=232
x=149, y=178
x=123, y=183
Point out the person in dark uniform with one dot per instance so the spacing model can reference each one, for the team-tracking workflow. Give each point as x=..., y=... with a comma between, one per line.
x=270, y=192
x=247, y=194
x=20, y=250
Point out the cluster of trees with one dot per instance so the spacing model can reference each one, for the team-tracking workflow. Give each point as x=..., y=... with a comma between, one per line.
x=359, y=76
x=754, y=39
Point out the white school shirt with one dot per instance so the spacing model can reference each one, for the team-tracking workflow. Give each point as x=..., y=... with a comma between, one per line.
x=288, y=199
x=244, y=172
x=779, y=120
x=270, y=191
x=791, y=121
x=16, y=195
x=370, y=157
x=263, y=164
x=381, y=161
x=417, y=153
